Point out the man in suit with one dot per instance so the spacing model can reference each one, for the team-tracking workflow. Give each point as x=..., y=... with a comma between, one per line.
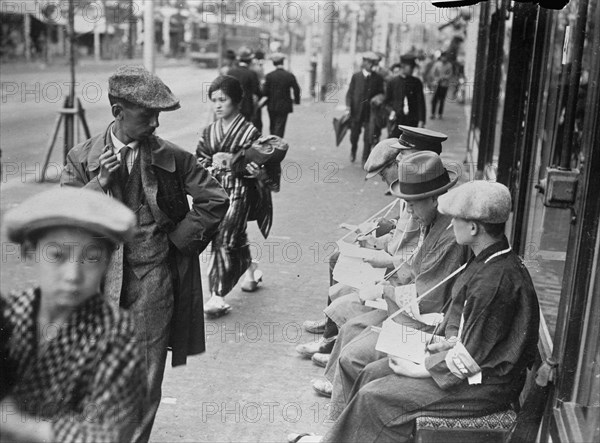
x=405, y=97
x=156, y=276
x=364, y=85
x=277, y=88
x=250, y=83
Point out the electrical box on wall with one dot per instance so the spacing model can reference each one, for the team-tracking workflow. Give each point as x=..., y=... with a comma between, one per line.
x=560, y=188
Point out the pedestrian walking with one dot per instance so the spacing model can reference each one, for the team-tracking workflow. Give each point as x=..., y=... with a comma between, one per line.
x=405, y=97
x=364, y=85
x=279, y=84
x=442, y=73
x=65, y=350
x=250, y=84
x=156, y=276
x=257, y=66
x=221, y=149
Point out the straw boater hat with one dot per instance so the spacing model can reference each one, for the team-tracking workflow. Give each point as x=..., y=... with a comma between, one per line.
x=478, y=200
x=421, y=175
x=140, y=87
x=76, y=208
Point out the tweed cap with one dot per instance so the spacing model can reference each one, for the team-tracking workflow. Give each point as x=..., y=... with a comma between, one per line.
x=140, y=87
x=422, y=174
x=71, y=207
x=383, y=154
x=420, y=139
x=278, y=57
x=478, y=200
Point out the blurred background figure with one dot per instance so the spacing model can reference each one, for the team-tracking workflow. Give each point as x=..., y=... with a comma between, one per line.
x=277, y=89
x=71, y=368
x=442, y=72
x=405, y=97
x=249, y=81
x=229, y=62
x=364, y=85
x=257, y=66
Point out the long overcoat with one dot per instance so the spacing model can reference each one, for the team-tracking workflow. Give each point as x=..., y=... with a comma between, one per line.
x=169, y=175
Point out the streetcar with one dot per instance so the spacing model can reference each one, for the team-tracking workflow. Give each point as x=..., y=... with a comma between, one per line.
x=204, y=44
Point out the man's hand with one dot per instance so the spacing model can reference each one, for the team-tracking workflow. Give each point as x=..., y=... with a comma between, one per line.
x=254, y=171
x=408, y=368
x=380, y=262
x=370, y=241
x=109, y=165
x=392, y=116
x=441, y=344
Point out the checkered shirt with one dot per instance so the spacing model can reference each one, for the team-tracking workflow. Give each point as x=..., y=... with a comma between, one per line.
x=87, y=381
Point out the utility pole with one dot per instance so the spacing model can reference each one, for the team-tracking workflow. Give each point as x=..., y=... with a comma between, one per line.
x=131, y=31
x=149, y=35
x=70, y=103
x=327, y=58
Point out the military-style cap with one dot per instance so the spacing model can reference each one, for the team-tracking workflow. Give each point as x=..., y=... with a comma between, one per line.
x=78, y=208
x=245, y=54
x=140, y=87
x=371, y=56
x=478, y=200
x=277, y=57
x=421, y=175
x=420, y=139
x=383, y=154
x=408, y=59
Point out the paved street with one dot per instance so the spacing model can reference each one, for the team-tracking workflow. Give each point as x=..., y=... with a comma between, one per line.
x=250, y=385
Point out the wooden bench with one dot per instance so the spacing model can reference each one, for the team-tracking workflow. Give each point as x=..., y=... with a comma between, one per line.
x=489, y=428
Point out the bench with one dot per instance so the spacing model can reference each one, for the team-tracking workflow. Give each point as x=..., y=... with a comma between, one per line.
x=491, y=428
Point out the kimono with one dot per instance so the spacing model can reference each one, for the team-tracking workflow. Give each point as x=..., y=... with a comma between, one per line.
x=495, y=314
x=249, y=199
x=88, y=381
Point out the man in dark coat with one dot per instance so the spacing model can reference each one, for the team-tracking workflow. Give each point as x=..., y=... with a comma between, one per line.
x=405, y=97
x=364, y=85
x=278, y=84
x=156, y=276
x=250, y=83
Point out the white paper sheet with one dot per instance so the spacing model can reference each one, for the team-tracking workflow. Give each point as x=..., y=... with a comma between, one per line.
x=353, y=271
x=403, y=341
x=353, y=250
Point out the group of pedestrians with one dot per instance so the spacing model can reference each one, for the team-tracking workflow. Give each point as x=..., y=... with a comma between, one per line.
x=378, y=98
x=125, y=231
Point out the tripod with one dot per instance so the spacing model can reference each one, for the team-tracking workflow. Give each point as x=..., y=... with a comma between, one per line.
x=71, y=109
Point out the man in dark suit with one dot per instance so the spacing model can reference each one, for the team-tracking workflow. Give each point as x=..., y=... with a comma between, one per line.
x=250, y=83
x=278, y=84
x=405, y=97
x=364, y=85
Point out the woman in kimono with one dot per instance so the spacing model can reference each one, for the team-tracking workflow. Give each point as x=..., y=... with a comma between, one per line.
x=69, y=369
x=221, y=150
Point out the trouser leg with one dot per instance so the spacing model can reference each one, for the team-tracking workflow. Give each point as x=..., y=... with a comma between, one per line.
x=355, y=129
x=442, y=98
x=280, y=122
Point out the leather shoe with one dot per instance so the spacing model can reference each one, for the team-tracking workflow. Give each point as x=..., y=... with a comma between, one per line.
x=320, y=359
x=323, y=346
x=322, y=387
x=314, y=327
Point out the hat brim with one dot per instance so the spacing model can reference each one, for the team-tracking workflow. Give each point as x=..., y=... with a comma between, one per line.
x=395, y=189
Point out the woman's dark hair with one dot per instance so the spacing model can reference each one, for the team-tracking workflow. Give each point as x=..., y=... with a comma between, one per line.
x=230, y=87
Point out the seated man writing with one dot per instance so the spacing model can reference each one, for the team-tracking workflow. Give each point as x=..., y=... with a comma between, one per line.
x=477, y=364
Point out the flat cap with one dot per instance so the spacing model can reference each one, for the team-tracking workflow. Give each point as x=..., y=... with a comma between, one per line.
x=140, y=87
x=383, y=154
x=277, y=57
x=479, y=200
x=370, y=55
x=420, y=139
x=71, y=207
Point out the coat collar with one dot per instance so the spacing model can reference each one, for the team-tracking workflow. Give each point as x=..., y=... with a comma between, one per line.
x=162, y=157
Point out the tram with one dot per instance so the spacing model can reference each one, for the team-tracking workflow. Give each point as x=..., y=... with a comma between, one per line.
x=535, y=127
x=204, y=45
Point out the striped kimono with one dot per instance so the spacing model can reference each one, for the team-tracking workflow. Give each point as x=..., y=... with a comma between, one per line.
x=230, y=249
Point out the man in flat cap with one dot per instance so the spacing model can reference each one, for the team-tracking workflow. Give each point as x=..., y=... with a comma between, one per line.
x=277, y=89
x=250, y=85
x=156, y=276
x=405, y=98
x=477, y=362
x=364, y=85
